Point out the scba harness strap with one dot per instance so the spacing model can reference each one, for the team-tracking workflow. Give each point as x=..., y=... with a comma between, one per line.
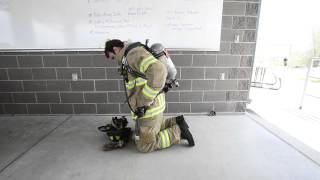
x=125, y=64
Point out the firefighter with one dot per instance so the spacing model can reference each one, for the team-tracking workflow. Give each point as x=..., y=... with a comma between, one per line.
x=145, y=78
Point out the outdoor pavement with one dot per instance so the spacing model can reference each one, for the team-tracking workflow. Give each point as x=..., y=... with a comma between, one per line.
x=227, y=147
x=280, y=108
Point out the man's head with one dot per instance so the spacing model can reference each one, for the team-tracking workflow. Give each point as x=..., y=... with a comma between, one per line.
x=112, y=48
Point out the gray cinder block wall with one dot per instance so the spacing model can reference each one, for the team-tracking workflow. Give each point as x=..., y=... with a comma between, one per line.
x=41, y=82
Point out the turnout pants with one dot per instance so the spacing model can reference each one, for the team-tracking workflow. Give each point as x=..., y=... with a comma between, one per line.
x=157, y=133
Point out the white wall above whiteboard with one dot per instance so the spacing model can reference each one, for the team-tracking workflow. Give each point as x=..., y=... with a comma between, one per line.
x=87, y=24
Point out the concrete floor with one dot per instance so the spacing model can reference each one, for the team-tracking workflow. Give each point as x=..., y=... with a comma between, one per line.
x=69, y=147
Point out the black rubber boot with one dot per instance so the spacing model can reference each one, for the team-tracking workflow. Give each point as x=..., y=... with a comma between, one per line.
x=185, y=133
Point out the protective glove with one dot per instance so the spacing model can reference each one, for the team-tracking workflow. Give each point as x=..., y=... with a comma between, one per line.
x=141, y=111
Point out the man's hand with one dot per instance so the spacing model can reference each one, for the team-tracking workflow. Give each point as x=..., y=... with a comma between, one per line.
x=140, y=112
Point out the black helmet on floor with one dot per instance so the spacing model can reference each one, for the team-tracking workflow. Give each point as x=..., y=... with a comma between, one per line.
x=117, y=132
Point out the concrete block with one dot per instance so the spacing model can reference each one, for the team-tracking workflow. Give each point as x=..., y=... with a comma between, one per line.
x=225, y=48
x=66, y=73
x=116, y=97
x=204, y=60
x=72, y=97
x=252, y=9
x=234, y=8
x=237, y=96
x=82, y=85
x=93, y=73
x=10, y=86
x=48, y=97
x=215, y=73
x=181, y=60
x=239, y=22
x=55, y=61
x=124, y=108
x=6, y=98
x=85, y=109
x=203, y=84
x=112, y=73
x=252, y=22
x=24, y=97
x=39, y=108
x=174, y=52
x=172, y=96
x=240, y=73
x=34, y=85
x=243, y=84
x=179, y=107
x=241, y=107
x=226, y=22
x=15, y=109
x=107, y=85
x=108, y=109
x=61, y=108
x=249, y=36
x=228, y=61
x=246, y=61
x=192, y=73
x=3, y=74
x=96, y=97
x=243, y=48
x=120, y=85
x=211, y=96
x=183, y=85
x=192, y=52
x=80, y=61
x=30, y=61
x=194, y=96
x=44, y=73
x=201, y=107
x=225, y=107
x=230, y=35
x=20, y=74
x=226, y=85
x=101, y=61
x=58, y=85
x=8, y=61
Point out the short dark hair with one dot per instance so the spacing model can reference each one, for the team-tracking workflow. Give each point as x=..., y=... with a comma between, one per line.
x=110, y=44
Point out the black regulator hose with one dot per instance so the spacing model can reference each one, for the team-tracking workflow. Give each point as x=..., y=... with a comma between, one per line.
x=126, y=93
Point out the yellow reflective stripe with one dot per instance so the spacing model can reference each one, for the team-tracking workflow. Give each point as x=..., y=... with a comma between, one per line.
x=166, y=134
x=130, y=84
x=134, y=117
x=165, y=140
x=136, y=82
x=157, y=110
x=151, y=112
x=140, y=81
x=149, y=92
x=146, y=62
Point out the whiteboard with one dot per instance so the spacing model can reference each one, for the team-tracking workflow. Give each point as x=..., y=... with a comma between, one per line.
x=87, y=24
